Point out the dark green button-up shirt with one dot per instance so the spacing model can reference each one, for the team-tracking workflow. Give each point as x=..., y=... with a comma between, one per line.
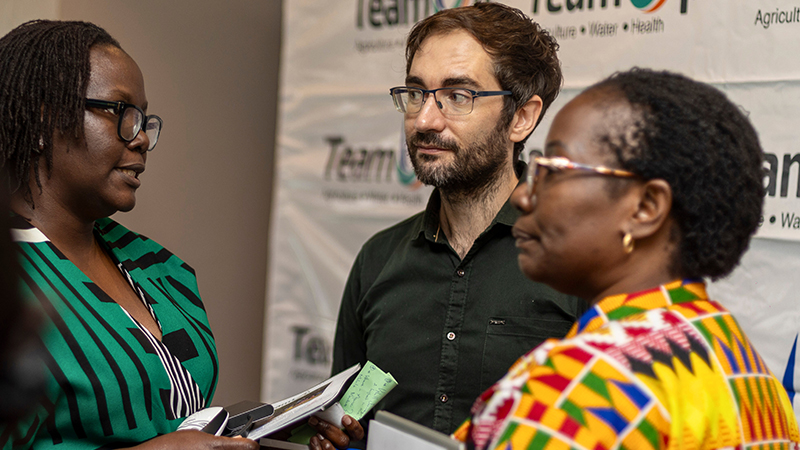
x=445, y=328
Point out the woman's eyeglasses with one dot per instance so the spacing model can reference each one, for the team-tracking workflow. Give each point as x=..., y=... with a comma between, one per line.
x=131, y=120
x=558, y=163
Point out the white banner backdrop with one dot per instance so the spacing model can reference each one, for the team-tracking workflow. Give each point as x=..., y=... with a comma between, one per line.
x=343, y=174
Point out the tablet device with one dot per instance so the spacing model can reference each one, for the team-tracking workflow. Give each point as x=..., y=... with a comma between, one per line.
x=391, y=432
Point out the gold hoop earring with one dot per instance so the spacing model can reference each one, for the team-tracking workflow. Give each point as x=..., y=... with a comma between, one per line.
x=627, y=243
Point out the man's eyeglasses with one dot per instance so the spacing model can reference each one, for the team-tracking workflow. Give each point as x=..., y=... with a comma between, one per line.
x=131, y=120
x=558, y=163
x=451, y=101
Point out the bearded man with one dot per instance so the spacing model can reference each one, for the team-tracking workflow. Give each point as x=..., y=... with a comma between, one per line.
x=438, y=300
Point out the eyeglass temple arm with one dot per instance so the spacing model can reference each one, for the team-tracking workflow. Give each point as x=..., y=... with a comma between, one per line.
x=94, y=103
x=490, y=93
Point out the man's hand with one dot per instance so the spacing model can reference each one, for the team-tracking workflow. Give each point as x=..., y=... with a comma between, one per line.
x=330, y=436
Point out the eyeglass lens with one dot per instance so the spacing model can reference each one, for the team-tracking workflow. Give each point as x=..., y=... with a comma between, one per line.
x=152, y=129
x=534, y=171
x=450, y=101
x=131, y=124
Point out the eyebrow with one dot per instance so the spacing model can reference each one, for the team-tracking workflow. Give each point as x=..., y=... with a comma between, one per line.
x=460, y=81
x=116, y=93
x=414, y=80
x=448, y=82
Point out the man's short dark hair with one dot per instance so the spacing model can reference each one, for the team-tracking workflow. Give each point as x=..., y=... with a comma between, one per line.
x=692, y=136
x=44, y=74
x=523, y=53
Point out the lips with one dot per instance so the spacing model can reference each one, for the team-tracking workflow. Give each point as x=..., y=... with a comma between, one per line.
x=431, y=150
x=131, y=173
x=431, y=142
x=522, y=236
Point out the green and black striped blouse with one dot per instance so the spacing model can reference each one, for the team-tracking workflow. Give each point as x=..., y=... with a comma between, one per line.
x=110, y=382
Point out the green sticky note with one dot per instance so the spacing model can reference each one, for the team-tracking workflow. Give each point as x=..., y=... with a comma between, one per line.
x=369, y=387
x=302, y=434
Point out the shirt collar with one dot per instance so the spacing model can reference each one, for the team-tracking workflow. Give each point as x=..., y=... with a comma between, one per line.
x=507, y=215
x=619, y=306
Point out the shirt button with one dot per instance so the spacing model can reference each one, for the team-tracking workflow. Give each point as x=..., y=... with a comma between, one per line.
x=460, y=272
x=451, y=336
x=443, y=398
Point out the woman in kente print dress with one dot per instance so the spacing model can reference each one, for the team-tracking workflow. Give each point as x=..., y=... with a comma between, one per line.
x=650, y=184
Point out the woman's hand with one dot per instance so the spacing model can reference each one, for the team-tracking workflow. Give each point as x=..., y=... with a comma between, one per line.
x=196, y=440
x=330, y=436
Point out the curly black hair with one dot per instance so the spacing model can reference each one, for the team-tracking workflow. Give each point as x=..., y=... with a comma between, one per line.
x=44, y=73
x=692, y=136
x=523, y=53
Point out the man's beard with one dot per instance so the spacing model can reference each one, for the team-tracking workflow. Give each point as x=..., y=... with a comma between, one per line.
x=474, y=169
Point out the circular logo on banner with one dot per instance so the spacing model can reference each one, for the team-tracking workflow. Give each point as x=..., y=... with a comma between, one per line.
x=439, y=5
x=648, y=5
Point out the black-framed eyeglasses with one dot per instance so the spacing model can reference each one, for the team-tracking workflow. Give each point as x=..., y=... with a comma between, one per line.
x=452, y=101
x=558, y=163
x=131, y=120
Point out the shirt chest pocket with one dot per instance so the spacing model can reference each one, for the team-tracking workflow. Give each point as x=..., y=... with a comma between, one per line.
x=508, y=338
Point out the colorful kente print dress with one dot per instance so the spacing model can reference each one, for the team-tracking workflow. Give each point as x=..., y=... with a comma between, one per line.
x=663, y=368
x=111, y=383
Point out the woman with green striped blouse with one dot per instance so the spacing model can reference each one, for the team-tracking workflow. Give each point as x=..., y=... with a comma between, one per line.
x=129, y=352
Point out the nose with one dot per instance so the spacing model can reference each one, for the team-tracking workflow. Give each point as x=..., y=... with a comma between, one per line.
x=521, y=200
x=430, y=117
x=140, y=143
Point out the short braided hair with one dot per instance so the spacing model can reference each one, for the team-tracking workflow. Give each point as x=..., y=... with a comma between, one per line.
x=44, y=73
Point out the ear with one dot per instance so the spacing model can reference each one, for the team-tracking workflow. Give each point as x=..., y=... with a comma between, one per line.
x=525, y=118
x=652, y=210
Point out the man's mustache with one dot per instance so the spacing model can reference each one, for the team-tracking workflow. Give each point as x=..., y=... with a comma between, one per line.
x=431, y=140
